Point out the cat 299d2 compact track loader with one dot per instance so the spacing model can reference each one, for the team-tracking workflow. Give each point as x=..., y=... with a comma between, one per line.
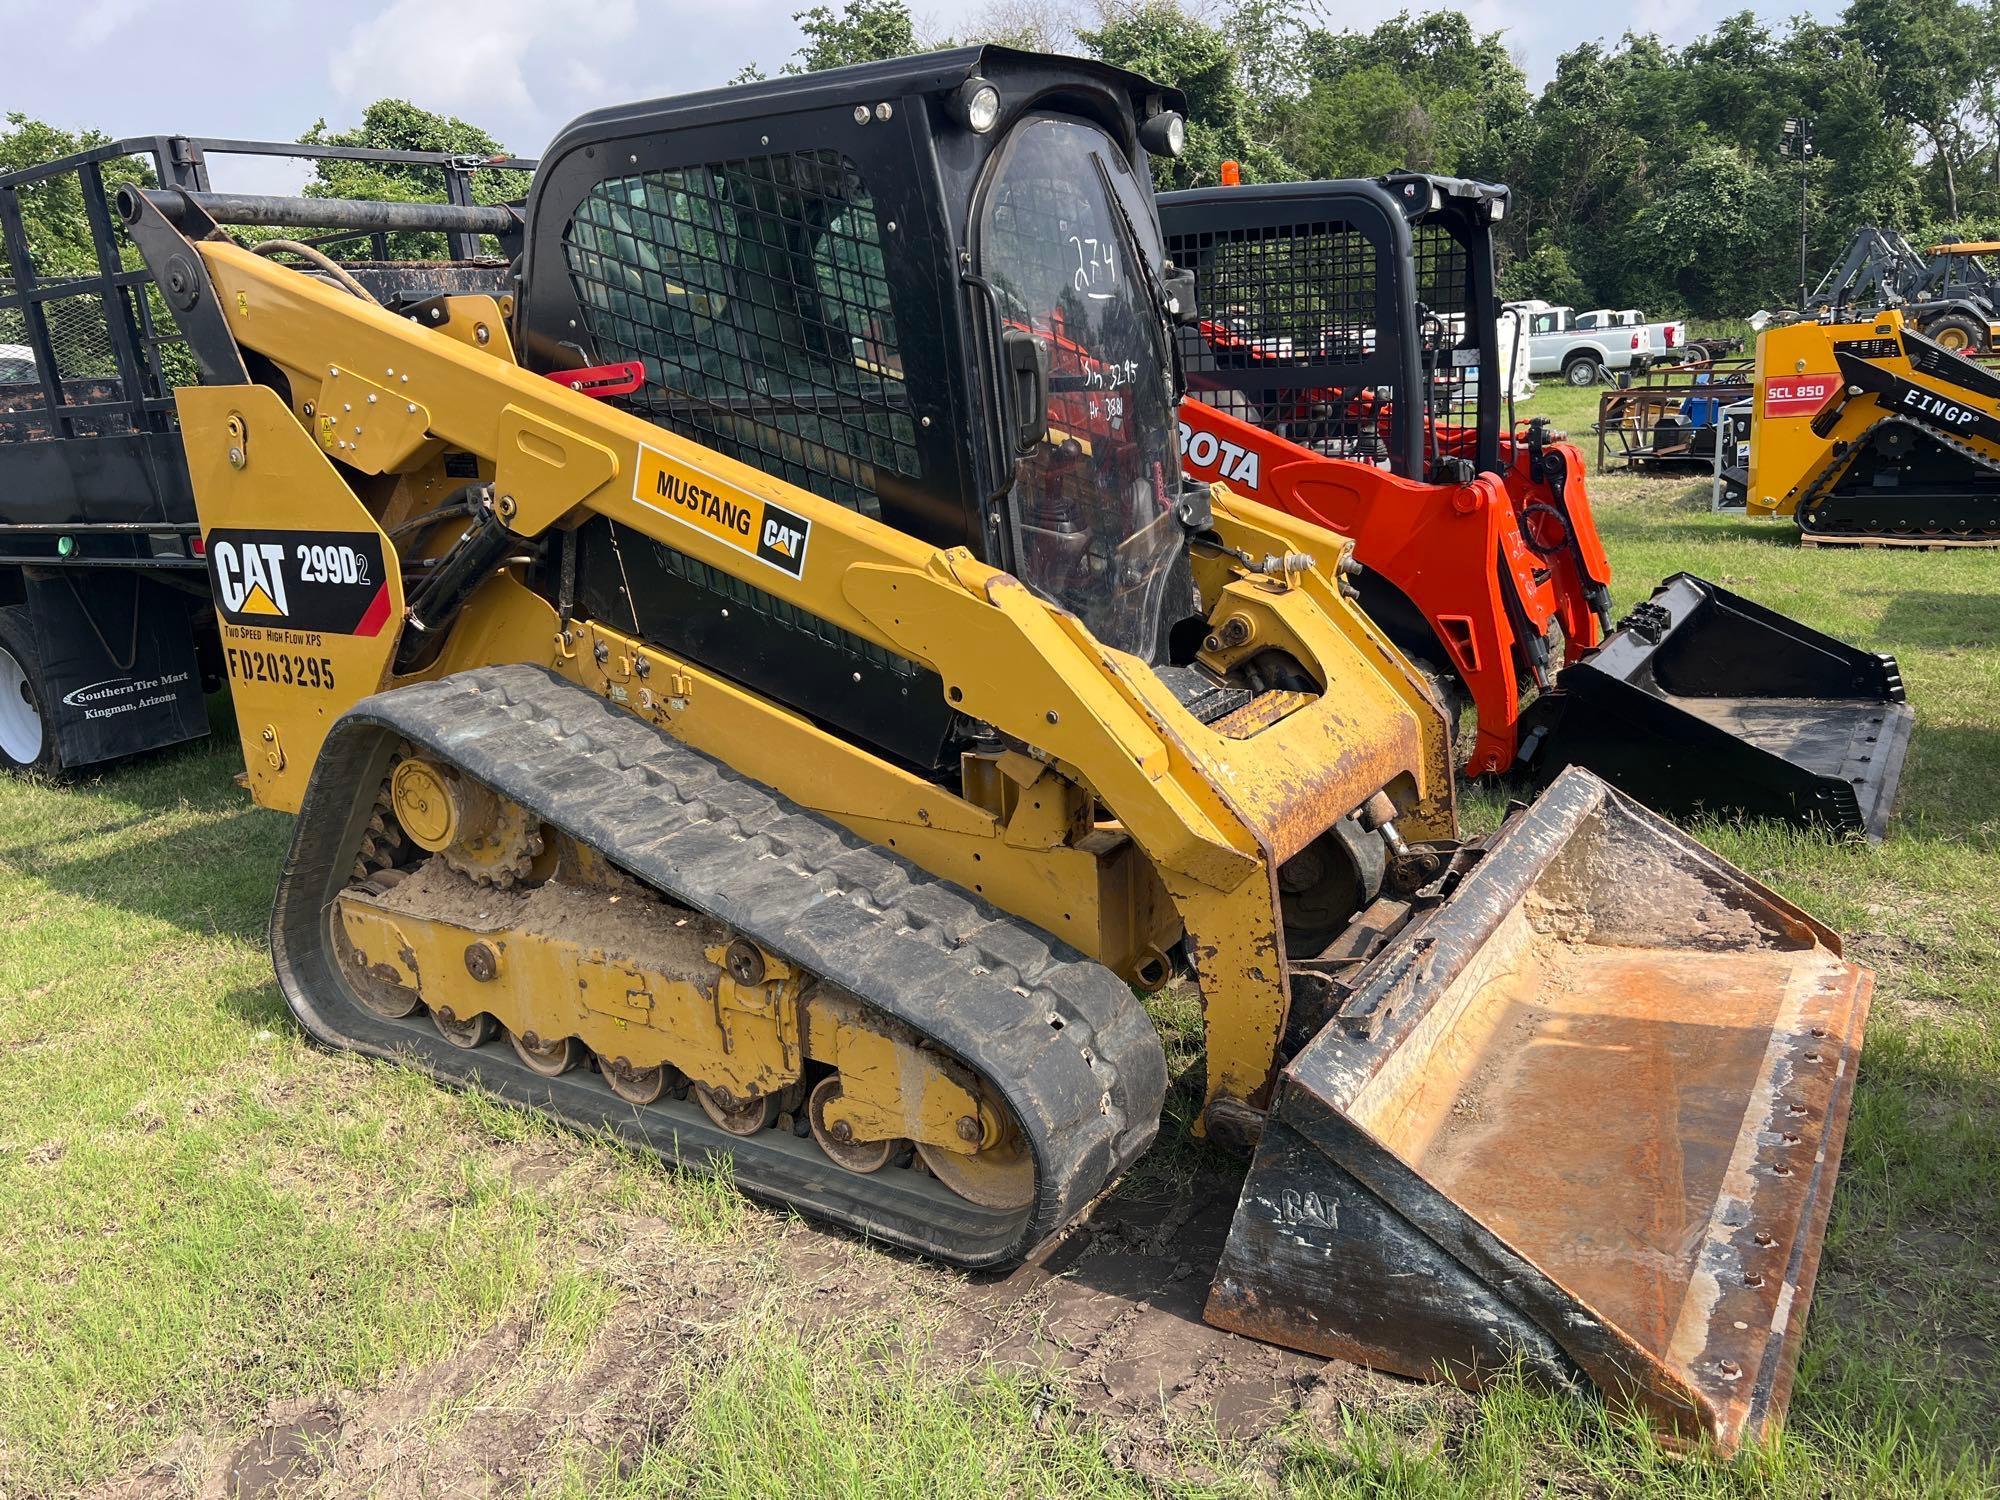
x=763, y=689
x=1346, y=368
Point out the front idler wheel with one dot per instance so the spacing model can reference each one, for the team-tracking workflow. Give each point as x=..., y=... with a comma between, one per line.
x=1000, y=1177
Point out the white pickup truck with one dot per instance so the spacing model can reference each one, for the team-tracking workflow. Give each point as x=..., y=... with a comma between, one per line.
x=17, y=364
x=1666, y=340
x=1559, y=345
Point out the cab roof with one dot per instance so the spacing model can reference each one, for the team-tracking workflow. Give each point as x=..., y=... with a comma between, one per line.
x=927, y=73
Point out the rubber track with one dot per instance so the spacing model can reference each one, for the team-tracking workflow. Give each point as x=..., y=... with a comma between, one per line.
x=1064, y=1041
x=1896, y=520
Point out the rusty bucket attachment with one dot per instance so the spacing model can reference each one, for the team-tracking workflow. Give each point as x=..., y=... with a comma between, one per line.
x=1581, y=1118
x=1705, y=701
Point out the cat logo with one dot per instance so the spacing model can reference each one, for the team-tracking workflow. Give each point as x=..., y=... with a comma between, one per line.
x=250, y=577
x=782, y=542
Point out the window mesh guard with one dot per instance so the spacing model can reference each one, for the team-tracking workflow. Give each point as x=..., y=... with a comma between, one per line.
x=1290, y=336
x=1298, y=331
x=79, y=288
x=755, y=293
x=1451, y=347
x=87, y=377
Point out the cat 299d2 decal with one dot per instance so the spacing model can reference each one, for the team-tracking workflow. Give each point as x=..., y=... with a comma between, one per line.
x=329, y=581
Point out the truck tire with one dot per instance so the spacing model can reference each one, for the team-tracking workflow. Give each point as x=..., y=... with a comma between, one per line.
x=1582, y=370
x=27, y=738
x=1957, y=333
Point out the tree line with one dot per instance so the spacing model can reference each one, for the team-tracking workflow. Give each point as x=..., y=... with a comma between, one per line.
x=1644, y=174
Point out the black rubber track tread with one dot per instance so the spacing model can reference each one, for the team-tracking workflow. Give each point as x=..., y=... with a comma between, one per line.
x=1885, y=513
x=1064, y=1041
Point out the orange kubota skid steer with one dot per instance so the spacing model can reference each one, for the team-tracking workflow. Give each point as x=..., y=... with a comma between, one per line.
x=799, y=760
x=1347, y=368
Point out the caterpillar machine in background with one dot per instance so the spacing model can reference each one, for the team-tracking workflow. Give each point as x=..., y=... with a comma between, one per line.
x=802, y=754
x=1342, y=370
x=1871, y=432
x=1949, y=294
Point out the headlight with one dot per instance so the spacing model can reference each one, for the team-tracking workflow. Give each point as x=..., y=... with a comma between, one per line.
x=1165, y=134
x=980, y=102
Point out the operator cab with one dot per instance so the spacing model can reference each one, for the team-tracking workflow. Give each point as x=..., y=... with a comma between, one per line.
x=770, y=255
x=1356, y=318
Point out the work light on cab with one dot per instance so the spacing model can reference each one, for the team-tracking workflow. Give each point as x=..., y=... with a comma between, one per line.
x=1164, y=134
x=981, y=103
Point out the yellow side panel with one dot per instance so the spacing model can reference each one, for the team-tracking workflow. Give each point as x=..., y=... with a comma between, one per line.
x=307, y=590
x=1796, y=376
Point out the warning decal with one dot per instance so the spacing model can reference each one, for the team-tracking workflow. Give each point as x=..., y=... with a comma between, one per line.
x=768, y=532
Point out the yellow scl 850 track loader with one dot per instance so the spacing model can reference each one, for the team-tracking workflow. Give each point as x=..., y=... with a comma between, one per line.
x=1873, y=432
x=834, y=725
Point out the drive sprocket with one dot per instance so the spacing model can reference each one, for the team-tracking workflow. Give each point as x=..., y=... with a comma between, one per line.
x=504, y=851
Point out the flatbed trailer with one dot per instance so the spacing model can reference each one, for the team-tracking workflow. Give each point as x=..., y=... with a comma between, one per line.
x=108, y=643
x=1668, y=419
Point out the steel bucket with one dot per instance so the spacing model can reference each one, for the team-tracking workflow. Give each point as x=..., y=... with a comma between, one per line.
x=1705, y=701
x=1580, y=1119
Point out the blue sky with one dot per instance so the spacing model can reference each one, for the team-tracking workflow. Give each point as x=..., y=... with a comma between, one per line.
x=521, y=68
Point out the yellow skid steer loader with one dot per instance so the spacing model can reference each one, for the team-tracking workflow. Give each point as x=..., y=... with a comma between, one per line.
x=1873, y=433
x=763, y=688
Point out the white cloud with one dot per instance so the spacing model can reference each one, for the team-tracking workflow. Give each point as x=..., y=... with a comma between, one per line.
x=496, y=63
x=98, y=21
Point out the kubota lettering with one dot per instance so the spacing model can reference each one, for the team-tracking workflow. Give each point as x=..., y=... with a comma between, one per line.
x=1204, y=450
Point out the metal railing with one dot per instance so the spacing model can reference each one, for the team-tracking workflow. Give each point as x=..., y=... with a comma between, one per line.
x=86, y=346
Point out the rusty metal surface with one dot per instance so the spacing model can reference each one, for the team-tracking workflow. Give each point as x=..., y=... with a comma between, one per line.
x=1259, y=714
x=436, y=278
x=1596, y=1127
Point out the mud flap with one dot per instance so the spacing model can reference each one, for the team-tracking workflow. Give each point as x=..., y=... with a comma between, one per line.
x=1703, y=701
x=118, y=653
x=1581, y=1120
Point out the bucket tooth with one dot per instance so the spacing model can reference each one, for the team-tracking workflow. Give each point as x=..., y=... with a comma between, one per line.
x=1582, y=1120
x=1703, y=700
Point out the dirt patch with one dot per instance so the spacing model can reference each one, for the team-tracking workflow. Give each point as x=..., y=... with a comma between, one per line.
x=284, y=1453
x=1587, y=895
x=1110, y=1312
x=1903, y=962
x=622, y=923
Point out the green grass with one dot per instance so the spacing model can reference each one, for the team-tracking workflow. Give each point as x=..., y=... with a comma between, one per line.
x=200, y=1215
x=198, y=1212
x=853, y=1416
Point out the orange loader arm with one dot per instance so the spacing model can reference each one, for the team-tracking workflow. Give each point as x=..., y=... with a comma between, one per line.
x=1489, y=566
